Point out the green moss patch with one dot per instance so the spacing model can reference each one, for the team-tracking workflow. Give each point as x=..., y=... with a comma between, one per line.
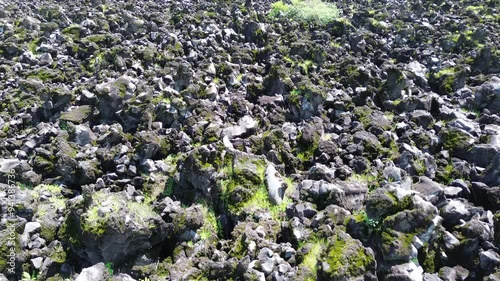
x=98, y=224
x=346, y=257
x=315, y=11
x=455, y=140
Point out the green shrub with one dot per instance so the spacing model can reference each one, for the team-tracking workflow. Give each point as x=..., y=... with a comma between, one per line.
x=109, y=267
x=306, y=10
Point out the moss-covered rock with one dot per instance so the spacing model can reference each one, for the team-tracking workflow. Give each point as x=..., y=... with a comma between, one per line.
x=244, y=177
x=198, y=174
x=346, y=258
x=448, y=80
x=455, y=140
x=278, y=81
x=381, y=203
x=77, y=115
x=488, y=60
x=395, y=83
x=396, y=246
x=50, y=207
x=111, y=228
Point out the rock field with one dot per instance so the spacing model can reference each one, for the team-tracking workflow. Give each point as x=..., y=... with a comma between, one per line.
x=208, y=140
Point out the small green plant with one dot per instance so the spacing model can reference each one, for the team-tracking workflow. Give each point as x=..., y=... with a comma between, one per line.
x=6, y=128
x=371, y=225
x=169, y=187
x=109, y=267
x=419, y=166
x=296, y=92
x=104, y=8
x=260, y=200
x=312, y=11
x=205, y=233
x=63, y=125
x=27, y=277
x=306, y=65
x=23, y=186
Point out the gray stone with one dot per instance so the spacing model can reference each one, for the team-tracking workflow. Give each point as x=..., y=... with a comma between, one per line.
x=452, y=191
x=422, y=118
x=448, y=274
x=8, y=165
x=321, y=172
x=464, y=124
x=121, y=169
x=450, y=241
x=83, y=135
x=481, y=154
x=31, y=227
x=128, y=228
x=245, y=125
x=430, y=190
x=45, y=59
x=77, y=114
x=275, y=185
x=122, y=277
x=304, y=210
x=431, y=277
x=392, y=173
x=454, y=211
x=97, y=272
x=349, y=195
x=406, y=271
x=488, y=95
x=489, y=260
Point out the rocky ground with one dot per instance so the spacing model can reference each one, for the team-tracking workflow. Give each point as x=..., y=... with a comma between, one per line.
x=140, y=133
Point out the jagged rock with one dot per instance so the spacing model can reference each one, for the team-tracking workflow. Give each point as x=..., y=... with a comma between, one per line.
x=346, y=257
x=77, y=115
x=345, y=194
x=95, y=272
x=31, y=227
x=454, y=211
x=488, y=95
x=489, y=260
x=9, y=165
x=245, y=125
x=430, y=190
x=83, y=135
x=456, y=273
x=406, y=271
x=321, y=172
x=482, y=154
x=104, y=233
x=491, y=176
x=112, y=95
x=122, y=277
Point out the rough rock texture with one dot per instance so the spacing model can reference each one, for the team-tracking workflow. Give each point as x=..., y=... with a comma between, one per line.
x=229, y=140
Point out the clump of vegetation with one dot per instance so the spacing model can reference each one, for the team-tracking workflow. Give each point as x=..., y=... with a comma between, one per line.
x=109, y=267
x=315, y=11
x=211, y=225
x=260, y=200
x=310, y=260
